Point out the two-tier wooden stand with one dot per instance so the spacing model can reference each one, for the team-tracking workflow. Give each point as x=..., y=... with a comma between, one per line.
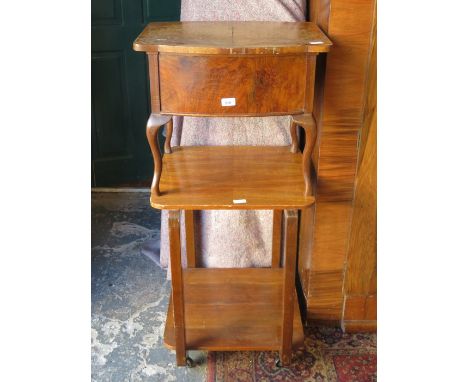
x=233, y=69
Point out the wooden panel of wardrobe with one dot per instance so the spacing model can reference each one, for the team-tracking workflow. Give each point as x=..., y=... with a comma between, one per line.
x=340, y=109
x=360, y=305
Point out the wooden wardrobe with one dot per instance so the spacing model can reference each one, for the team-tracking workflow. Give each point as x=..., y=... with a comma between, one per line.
x=337, y=243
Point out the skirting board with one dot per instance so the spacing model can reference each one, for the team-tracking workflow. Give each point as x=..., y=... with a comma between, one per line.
x=112, y=189
x=359, y=326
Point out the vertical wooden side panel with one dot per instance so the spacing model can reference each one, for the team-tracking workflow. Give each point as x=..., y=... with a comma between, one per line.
x=325, y=300
x=310, y=83
x=290, y=221
x=276, y=239
x=190, y=239
x=331, y=235
x=350, y=28
x=322, y=275
x=177, y=285
x=362, y=259
x=360, y=310
x=319, y=12
x=339, y=109
x=306, y=232
x=153, y=66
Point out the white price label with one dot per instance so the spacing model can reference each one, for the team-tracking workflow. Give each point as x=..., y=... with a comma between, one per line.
x=239, y=201
x=228, y=102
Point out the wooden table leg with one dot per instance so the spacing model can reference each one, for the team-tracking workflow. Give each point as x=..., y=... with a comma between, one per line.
x=167, y=143
x=190, y=239
x=294, y=140
x=177, y=285
x=290, y=223
x=307, y=122
x=155, y=122
x=276, y=239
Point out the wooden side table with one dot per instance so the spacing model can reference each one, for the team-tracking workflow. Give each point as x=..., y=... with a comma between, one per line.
x=233, y=69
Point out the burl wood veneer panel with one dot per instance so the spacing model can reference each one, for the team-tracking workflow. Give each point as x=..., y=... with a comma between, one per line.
x=267, y=84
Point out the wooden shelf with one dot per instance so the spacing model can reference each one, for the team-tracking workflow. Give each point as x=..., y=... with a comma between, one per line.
x=228, y=309
x=212, y=177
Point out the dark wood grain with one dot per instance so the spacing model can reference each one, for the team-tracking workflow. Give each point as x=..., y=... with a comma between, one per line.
x=280, y=84
x=261, y=85
x=195, y=85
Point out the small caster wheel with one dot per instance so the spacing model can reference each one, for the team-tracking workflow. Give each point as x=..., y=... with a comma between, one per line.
x=278, y=363
x=189, y=362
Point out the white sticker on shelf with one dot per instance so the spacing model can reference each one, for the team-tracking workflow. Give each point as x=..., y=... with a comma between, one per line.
x=228, y=102
x=239, y=201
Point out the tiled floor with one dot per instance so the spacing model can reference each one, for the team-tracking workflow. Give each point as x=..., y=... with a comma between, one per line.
x=130, y=295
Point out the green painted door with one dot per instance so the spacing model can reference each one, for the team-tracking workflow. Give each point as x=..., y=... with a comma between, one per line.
x=120, y=89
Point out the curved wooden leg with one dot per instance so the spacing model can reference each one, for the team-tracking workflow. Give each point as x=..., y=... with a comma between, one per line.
x=153, y=125
x=310, y=137
x=167, y=144
x=307, y=122
x=294, y=140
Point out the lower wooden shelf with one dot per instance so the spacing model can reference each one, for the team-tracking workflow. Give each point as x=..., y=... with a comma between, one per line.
x=233, y=309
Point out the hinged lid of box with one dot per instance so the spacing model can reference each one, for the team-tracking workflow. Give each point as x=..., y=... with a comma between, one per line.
x=227, y=37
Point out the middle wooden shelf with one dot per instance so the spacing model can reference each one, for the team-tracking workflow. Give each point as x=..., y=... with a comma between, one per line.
x=231, y=177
